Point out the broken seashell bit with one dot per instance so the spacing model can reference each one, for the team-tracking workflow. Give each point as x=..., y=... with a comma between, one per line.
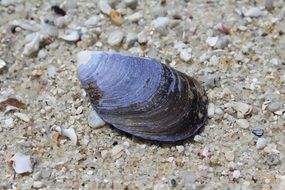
x=73, y=36
x=22, y=116
x=32, y=46
x=94, y=121
x=69, y=133
x=21, y=163
x=279, y=112
x=2, y=64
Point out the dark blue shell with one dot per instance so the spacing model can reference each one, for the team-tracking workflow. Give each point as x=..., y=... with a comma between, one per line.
x=143, y=97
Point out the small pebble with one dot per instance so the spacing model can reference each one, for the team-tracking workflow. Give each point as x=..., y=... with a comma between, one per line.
x=38, y=184
x=222, y=43
x=219, y=111
x=261, y=143
x=273, y=159
x=211, y=81
x=142, y=39
x=205, y=56
x=58, y=10
x=131, y=3
x=189, y=179
x=115, y=38
x=185, y=55
x=243, y=123
x=242, y=108
x=92, y=21
x=104, y=154
x=173, y=183
x=170, y=159
x=45, y=173
x=131, y=38
x=211, y=110
x=94, y=121
x=273, y=106
x=61, y=22
x=236, y=174
x=214, y=60
x=212, y=41
x=230, y=156
x=9, y=122
x=104, y=7
x=51, y=71
x=42, y=53
x=253, y=12
x=258, y=132
x=269, y=5
x=116, y=18
x=160, y=24
x=198, y=138
x=180, y=148
x=135, y=17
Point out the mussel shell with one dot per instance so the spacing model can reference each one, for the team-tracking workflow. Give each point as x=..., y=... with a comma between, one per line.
x=143, y=97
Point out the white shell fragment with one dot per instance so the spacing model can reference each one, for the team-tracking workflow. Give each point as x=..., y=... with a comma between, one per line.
x=2, y=64
x=73, y=36
x=94, y=121
x=211, y=41
x=279, y=112
x=22, y=116
x=32, y=46
x=253, y=12
x=69, y=133
x=21, y=163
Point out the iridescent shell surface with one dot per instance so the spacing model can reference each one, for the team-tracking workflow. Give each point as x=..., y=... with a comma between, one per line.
x=143, y=97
